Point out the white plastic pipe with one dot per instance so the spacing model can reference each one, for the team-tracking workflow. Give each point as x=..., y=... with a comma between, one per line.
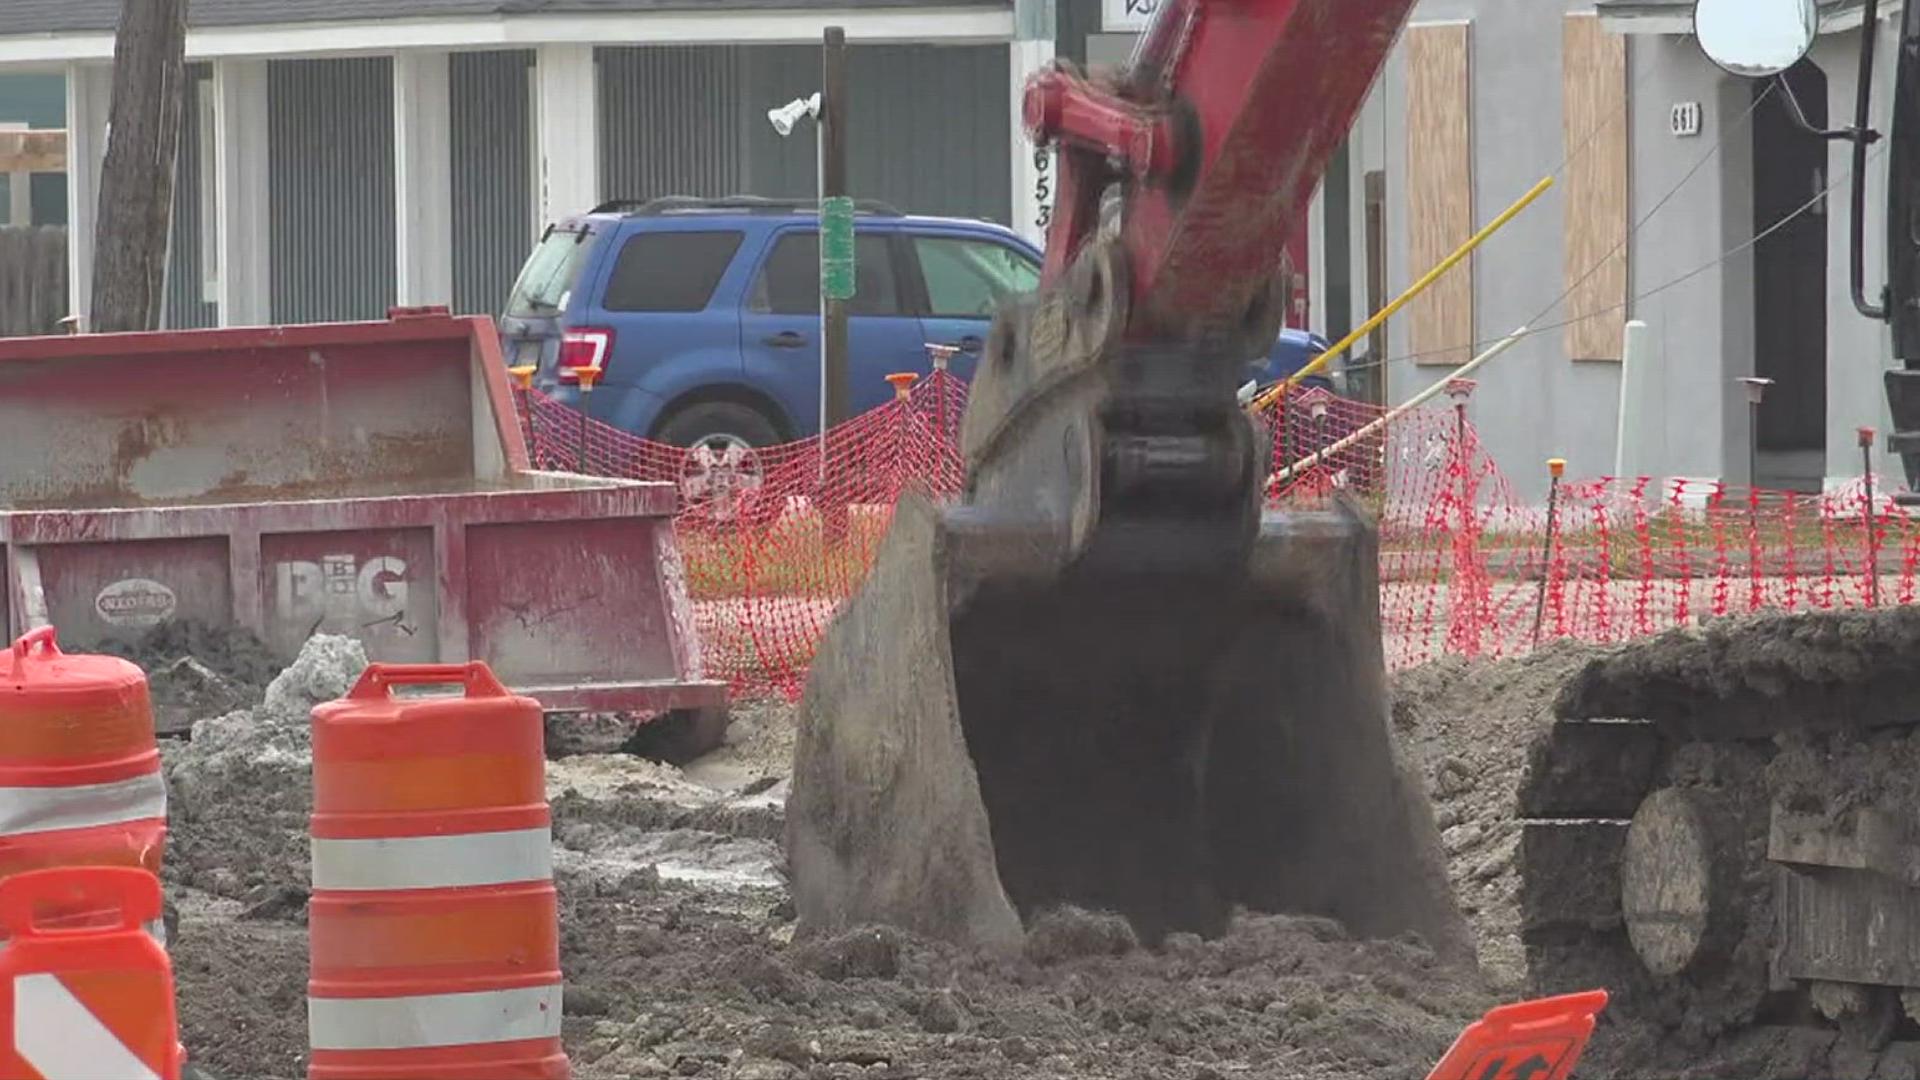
x=1412, y=403
x=1636, y=384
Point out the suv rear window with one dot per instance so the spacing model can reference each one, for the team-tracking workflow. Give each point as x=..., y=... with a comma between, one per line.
x=670, y=271
x=549, y=275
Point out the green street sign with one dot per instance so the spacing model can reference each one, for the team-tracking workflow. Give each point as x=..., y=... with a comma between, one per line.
x=836, y=248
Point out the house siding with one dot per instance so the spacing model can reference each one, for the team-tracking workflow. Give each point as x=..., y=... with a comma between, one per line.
x=672, y=121
x=923, y=135
x=331, y=146
x=185, y=304
x=57, y=16
x=493, y=198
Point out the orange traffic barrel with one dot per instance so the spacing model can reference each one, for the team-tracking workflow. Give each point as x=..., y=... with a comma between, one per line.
x=85, y=1001
x=80, y=780
x=433, y=931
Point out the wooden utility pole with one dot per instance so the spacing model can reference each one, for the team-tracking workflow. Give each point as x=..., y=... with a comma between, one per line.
x=839, y=263
x=839, y=267
x=136, y=179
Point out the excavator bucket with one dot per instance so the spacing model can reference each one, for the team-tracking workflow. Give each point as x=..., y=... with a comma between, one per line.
x=1176, y=710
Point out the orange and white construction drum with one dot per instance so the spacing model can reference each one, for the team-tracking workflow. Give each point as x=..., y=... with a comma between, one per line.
x=80, y=781
x=434, y=925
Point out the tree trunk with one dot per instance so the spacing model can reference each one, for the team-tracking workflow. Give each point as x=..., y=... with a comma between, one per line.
x=136, y=181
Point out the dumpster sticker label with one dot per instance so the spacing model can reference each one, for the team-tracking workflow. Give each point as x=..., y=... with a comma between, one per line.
x=135, y=602
x=342, y=585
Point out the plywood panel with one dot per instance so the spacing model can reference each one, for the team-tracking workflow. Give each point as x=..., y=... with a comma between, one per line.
x=1440, y=188
x=33, y=151
x=1594, y=67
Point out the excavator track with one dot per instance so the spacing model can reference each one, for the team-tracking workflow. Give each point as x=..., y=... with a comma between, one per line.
x=1723, y=828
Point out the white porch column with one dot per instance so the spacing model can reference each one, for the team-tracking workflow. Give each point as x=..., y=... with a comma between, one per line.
x=1034, y=175
x=567, y=114
x=89, y=94
x=423, y=177
x=1316, y=268
x=244, y=266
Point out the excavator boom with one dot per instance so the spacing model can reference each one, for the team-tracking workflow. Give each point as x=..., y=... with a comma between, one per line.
x=1218, y=133
x=1107, y=676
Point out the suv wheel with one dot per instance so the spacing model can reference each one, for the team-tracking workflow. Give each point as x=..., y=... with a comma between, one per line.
x=724, y=467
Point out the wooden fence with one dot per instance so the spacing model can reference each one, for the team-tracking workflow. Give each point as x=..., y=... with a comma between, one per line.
x=33, y=279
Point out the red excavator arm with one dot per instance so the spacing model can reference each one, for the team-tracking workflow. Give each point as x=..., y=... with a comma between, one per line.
x=1217, y=135
x=1107, y=675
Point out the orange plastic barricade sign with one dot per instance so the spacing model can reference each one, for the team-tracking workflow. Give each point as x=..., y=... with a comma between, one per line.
x=1533, y=1040
x=85, y=1002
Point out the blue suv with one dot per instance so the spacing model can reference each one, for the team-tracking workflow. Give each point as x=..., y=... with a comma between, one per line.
x=703, y=314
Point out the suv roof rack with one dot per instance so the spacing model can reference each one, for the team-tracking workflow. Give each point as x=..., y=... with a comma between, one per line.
x=751, y=204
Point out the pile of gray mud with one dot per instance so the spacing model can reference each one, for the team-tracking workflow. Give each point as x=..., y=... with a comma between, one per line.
x=677, y=931
x=195, y=670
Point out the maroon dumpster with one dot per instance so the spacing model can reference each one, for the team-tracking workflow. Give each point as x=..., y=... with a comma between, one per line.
x=367, y=479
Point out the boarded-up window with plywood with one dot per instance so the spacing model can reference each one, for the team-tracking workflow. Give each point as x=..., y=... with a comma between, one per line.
x=1594, y=70
x=1440, y=188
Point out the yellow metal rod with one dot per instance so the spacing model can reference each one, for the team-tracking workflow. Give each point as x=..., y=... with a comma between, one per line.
x=1267, y=399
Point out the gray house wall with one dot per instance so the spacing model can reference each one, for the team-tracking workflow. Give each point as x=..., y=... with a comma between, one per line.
x=942, y=140
x=1691, y=273
x=691, y=120
x=330, y=144
x=491, y=141
x=1858, y=349
x=1702, y=327
x=1701, y=330
x=1532, y=403
x=672, y=120
x=185, y=305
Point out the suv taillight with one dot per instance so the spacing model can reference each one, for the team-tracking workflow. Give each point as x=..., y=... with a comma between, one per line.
x=584, y=348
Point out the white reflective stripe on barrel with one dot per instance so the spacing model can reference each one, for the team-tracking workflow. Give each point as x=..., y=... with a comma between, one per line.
x=25, y=810
x=416, y=1023
x=434, y=862
x=61, y=1039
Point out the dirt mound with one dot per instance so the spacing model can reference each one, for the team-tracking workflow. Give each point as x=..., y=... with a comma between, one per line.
x=1069, y=933
x=616, y=816
x=240, y=789
x=234, y=653
x=1469, y=725
x=1747, y=675
x=196, y=670
x=1274, y=997
x=680, y=963
x=242, y=990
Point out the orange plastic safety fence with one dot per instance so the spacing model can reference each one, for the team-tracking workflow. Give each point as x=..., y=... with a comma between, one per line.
x=776, y=538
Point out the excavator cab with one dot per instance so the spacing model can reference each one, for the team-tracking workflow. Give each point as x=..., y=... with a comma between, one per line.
x=1108, y=676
